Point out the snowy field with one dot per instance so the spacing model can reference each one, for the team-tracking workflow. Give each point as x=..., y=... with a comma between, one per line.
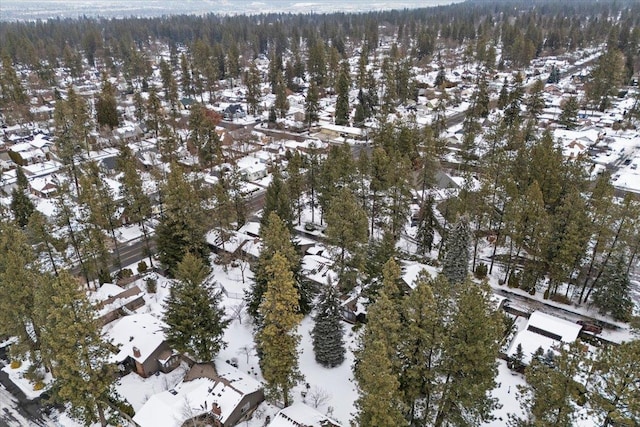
x=41, y=9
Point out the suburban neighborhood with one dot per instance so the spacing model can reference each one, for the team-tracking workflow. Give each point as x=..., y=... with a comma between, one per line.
x=423, y=217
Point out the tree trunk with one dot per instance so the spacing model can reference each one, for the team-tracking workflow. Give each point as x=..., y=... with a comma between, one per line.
x=509, y=261
x=53, y=263
x=444, y=404
x=146, y=242
x=606, y=260
x=76, y=249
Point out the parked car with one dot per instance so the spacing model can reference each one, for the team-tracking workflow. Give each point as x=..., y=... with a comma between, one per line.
x=592, y=327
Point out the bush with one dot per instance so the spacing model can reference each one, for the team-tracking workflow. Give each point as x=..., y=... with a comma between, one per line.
x=15, y=364
x=125, y=273
x=560, y=298
x=152, y=285
x=122, y=405
x=481, y=270
x=546, y=294
x=38, y=386
x=514, y=280
x=142, y=267
x=16, y=158
x=104, y=276
x=34, y=374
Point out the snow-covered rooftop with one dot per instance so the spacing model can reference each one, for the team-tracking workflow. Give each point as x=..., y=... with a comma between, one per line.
x=413, y=269
x=140, y=330
x=546, y=331
x=300, y=414
x=196, y=397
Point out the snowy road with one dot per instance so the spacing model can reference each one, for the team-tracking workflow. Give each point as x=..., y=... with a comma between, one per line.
x=12, y=415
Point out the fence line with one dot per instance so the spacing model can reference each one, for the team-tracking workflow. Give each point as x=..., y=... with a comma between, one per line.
x=232, y=295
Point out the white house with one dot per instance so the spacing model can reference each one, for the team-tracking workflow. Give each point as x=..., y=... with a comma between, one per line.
x=300, y=414
x=251, y=168
x=543, y=330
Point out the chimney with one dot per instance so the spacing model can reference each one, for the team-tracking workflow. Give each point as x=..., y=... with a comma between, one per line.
x=216, y=409
x=136, y=352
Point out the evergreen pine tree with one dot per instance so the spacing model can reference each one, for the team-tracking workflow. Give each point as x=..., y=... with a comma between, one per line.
x=277, y=200
x=426, y=227
x=535, y=100
x=379, y=252
x=154, y=112
x=327, y=333
x=21, y=206
x=379, y=402
x=295, y=185
x=613, y=295
x=614, y=397
x=19, y=279
x=420, y=348
x=277, y=340
x=107, y=106
x=252, y=81
x=70, y=118
x=342, y=103
x=468, y=367
x=11, y=90
x=456, y=260
x=222, y=217
x=276, y=237
x=311, y=105
x=549, y=396
x=347, y=232
x=503, y=98
x=72, y=337
x=569, y=115
x=193, y=313
x=41, y=232
x=183, y=222
x=481, y=101
x=281, y=102
x=376, y=369
x=136, y=202
x=98, y=207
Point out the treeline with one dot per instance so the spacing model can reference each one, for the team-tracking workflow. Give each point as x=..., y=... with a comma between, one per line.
x=525, y=29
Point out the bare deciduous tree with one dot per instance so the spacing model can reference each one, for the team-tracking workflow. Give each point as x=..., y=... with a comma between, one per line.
x=247, y=351
x=318, y=397
x=237, y=311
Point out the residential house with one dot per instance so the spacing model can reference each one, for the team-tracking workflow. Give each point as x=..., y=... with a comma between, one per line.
x=120, y=304
x=234, y=111
x=543, y=331
x=210, y=394
x=251, y=168
x=24, y=153
x=301, y=415
x=335, y=131
x=45, y=186
x=411, y=271
x=141, y=344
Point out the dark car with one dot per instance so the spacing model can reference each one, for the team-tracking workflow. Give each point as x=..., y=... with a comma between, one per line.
x=592, y=327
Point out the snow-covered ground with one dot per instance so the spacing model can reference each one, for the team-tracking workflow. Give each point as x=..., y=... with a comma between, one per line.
x=17, y=376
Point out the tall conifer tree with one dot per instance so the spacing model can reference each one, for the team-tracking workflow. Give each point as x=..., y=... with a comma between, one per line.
x=193, y=314
x=328, y=342
x=72, y=337
x=456, y=259
x=277, y=339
